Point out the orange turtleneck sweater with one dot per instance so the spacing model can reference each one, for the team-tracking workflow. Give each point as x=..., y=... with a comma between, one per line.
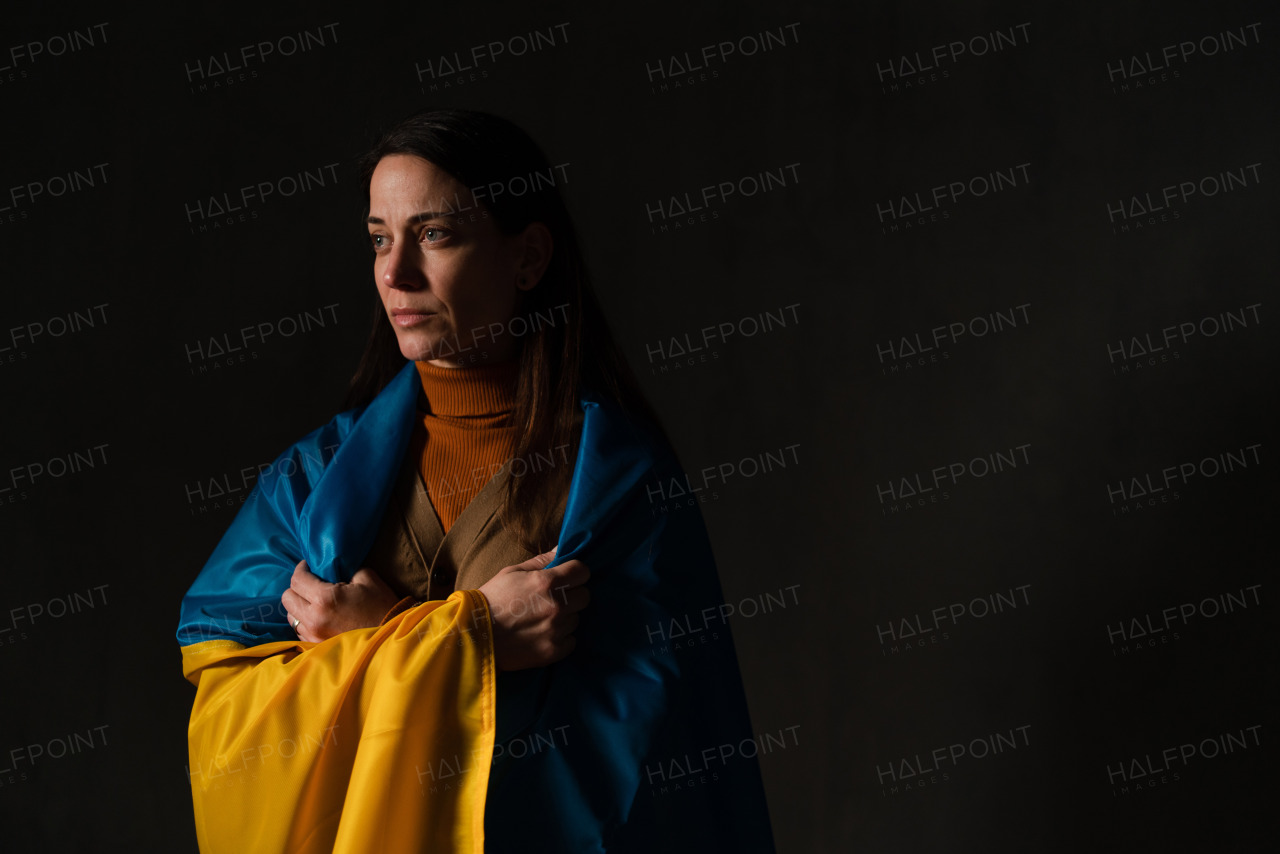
x=466, y=434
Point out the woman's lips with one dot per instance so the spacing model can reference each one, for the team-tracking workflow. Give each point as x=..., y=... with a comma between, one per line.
x=410, y=317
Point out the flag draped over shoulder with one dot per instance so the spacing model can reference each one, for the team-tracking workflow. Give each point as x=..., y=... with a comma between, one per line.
x=402, y=737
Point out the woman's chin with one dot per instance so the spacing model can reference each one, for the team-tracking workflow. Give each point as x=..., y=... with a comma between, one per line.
x=447, y=351
x=420, y=348
x=416, y=354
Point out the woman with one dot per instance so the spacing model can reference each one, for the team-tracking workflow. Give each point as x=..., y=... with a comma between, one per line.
x=402, y=625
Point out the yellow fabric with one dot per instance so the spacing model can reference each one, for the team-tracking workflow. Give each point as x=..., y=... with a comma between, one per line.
x=376, y=740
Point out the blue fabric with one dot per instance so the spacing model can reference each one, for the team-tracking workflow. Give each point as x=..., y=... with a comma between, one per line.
x=322, y=500
x=578, y=742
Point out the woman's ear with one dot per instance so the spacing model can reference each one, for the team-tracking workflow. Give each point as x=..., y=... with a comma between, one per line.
x=535, y=255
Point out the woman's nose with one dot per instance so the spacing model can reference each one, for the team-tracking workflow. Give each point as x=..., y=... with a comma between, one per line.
x=402, y=271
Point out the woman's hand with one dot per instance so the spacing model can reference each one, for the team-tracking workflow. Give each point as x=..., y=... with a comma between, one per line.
x=535, y=610
x=319, y=610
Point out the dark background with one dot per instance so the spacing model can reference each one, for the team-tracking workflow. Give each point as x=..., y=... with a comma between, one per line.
x=97, y=557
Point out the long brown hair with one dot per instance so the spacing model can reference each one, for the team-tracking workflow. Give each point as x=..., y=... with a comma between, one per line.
x=559, y=359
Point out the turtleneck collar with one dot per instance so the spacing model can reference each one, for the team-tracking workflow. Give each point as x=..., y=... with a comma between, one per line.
x=482, y=390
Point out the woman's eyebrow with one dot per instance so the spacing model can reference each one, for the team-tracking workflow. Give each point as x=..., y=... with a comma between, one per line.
x=418, y=217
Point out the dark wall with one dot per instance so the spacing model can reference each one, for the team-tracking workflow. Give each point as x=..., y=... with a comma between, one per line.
x=986, y=379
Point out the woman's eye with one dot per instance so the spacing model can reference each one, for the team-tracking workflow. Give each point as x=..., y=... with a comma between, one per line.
x=378, y=241
x=434, y=235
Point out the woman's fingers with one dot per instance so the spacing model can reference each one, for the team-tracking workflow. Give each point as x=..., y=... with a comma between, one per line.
x=535, y=610
x=537, y=561
x=299, y=613
x=307, y=584
x=294, y=604
x=564, y=626
x=574, y=598
x=571, y=573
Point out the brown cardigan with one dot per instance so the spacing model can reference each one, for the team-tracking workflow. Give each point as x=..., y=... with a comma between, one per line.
x=418, y=559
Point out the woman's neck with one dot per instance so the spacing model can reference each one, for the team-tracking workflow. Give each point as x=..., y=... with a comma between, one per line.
x=486, y=389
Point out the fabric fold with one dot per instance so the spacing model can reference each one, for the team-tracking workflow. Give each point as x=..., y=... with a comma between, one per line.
x=373, y=740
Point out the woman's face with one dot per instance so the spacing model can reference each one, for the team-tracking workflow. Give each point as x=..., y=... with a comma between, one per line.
x=449, y=279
